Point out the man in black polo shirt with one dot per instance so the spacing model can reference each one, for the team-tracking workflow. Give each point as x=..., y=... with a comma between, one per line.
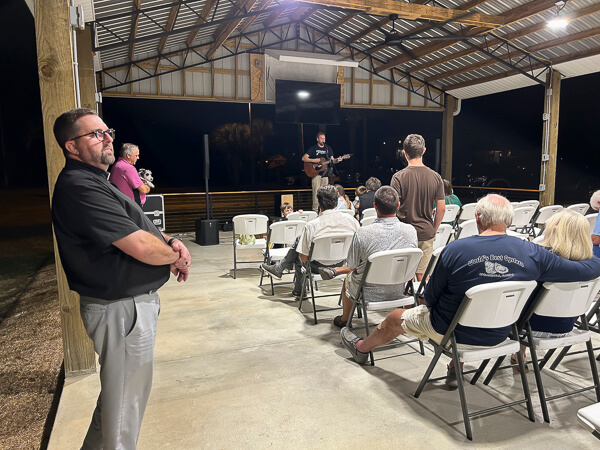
x=116, y=259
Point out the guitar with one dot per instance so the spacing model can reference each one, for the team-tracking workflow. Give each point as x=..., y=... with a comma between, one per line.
x=313, y=169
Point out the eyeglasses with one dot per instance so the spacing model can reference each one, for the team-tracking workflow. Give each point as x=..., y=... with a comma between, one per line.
x=101, y=135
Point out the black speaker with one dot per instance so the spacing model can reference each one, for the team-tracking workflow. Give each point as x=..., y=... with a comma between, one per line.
x=207, y=232
x=206, y=158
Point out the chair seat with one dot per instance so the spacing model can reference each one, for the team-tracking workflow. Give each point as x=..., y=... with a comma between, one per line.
x=589, y=417
x=277, y=254
x=390, y=304
x=516, y=234
x=505, y=348
x=260, y=243
x=317, y=277
x=574, y=337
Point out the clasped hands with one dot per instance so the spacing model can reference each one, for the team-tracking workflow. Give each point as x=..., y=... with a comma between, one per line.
x=181, y=267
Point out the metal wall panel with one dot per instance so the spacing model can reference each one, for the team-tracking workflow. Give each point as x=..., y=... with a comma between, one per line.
x=198, y=84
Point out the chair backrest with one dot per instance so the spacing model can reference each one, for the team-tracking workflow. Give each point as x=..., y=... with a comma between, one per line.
x=546, y=212
x=451, y=213
x=393, y=266
x=307, y=216
x=442, y=235
x=468, y=212
x=538, y=240
x=331, y=247
x=347, y=211
x=367, y=221
x=522, y=216
x=534, y=203
x=581, y=208
x=496, y=305
x=516, y=204
x=250, y=224
x=468, y=228
x=592, y=220
x=286, y=231
x=567, y=299
x=369, y=212
x=435, y=256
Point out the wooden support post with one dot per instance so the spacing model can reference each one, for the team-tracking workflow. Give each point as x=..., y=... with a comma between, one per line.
x=447, y=137
x=257, y=86
x=57, y=89
x=550, y=138
x=341, y=82
x=87, y=87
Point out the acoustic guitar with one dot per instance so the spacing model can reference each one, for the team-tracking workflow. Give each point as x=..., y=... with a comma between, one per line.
x=313, y=169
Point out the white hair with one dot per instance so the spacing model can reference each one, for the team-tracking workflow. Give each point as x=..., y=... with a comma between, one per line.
x=493, y=209
x=127, y=150
x=595, y=201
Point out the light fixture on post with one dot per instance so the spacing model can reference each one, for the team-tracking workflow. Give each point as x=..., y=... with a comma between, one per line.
x=558, y=22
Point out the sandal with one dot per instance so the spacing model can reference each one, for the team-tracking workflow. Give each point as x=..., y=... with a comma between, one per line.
x=515, y=362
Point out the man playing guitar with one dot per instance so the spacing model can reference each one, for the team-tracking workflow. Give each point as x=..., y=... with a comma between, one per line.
x=317, y=154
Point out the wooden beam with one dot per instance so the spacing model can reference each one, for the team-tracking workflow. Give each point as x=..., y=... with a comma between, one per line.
x=225, y=30
x=533, y=49
x=341, y=82
x=275, y=14
x=550, y=134
x=514, y=15
x=447, y=137
x=510, y=73
x=57, y=89
x=85, y=66
x=134, y=26
x=338, y=23
x=257, y=85
x=300, y=10
x=413, y=11
x=250, y=20
x=583, y=12
x=369, y=30
x=170, y=24
x=206, y=9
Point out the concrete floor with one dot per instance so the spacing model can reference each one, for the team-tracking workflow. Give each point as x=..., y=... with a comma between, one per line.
x=238, y=368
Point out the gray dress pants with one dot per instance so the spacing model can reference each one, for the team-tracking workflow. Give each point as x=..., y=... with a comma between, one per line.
x=123, y=332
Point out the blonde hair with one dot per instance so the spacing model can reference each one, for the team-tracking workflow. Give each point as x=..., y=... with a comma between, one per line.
x=568, y=235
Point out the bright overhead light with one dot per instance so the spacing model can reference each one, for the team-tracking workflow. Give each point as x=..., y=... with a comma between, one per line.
x=303, y=94
x=558, y=23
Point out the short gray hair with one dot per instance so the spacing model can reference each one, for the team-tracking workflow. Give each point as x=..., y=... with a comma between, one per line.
x=595, y=201
x=493, y=209
x=127, y=149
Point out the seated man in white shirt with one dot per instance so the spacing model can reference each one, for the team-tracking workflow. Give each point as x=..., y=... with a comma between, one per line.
x=329, y=221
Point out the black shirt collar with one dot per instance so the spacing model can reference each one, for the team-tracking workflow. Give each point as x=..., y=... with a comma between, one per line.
x=71, y=164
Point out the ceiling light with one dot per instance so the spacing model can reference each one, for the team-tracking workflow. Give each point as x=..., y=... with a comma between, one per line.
x=559, y=22
x=303, y=94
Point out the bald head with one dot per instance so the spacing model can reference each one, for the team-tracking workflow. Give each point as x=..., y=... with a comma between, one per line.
x=494, y=211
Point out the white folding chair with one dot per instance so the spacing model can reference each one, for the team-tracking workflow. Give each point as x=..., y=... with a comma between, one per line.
x=451, y=214
x=367, y=221
x=516, y=204
x=538, y=240
x=538, y=222
x=467, y=212
x=251, y=225
x=346, y=211
x=491, y=305
x=280, y=233
x=522, y=218
x=442, y=236
x=581, y=208
x=534, y=203
x=592, y=220
x=589, y=418
x=307, y=216
x=467, y=229
x=558, y=300
x=417, y=287
x=388, y=268
x=326, y=249
x=369, y=212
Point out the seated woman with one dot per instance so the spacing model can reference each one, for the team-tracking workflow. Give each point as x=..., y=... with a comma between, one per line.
x=567, y=235
x=449, y=197
x=357, y=193
x=595, y=204
x=343, y=200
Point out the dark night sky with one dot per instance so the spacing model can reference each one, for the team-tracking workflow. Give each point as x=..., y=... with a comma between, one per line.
x=169, y=132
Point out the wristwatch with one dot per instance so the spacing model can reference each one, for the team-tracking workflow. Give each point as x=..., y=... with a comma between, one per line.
x=170, y=242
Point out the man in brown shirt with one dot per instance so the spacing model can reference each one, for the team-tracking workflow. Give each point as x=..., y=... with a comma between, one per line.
x=418, y=188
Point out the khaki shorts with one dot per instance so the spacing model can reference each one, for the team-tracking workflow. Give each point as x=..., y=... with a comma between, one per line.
x=427, y=248
x=417, y=323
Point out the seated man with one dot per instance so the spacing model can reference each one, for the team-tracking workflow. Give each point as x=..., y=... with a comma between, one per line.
x=329, y=221
x=386, y=233
x=489, y=257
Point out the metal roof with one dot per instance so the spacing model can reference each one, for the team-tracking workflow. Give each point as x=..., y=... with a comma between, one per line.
x=464, y=60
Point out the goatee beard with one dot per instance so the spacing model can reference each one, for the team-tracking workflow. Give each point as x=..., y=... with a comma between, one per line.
x=107, y=158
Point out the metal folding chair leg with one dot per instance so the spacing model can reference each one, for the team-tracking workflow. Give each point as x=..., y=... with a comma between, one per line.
x=547, y=357
x=560, y=356
x=495, y=368
x=480, y=370
x=538, y=377
x=432, y=364
x=461, y=389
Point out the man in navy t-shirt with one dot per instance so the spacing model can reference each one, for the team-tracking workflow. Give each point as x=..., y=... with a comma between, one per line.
x=489, y=257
